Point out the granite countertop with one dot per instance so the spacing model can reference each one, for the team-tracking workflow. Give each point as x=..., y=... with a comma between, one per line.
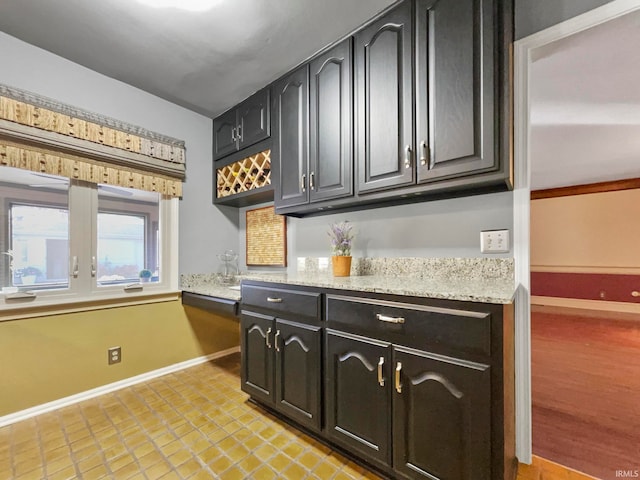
x=472, y=290
x=485, y=280
x=212, y=285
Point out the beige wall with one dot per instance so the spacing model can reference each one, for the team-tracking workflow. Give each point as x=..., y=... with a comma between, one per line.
x=597, y=233
x=46, y=358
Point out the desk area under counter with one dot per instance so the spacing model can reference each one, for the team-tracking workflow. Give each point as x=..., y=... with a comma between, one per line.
x=211, y=292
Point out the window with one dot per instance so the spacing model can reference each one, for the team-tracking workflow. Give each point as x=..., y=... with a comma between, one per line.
x=39, y=245
x=71, y=240
x=128, y=235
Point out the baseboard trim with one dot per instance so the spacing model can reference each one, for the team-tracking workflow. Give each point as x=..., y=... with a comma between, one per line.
x=541, y=468
x=600, y=305
x=111, y=387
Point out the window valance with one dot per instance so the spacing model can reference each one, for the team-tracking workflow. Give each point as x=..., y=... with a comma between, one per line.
x=42, y=135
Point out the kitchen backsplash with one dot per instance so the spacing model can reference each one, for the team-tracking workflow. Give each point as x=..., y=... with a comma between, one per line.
x=472, y=268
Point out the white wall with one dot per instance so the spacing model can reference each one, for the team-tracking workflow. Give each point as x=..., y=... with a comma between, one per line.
x=443, y=228
x=531, y=16
x=593, y=233
x=204, y=229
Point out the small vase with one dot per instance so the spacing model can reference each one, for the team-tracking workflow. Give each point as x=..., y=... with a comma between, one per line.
x=341, y=266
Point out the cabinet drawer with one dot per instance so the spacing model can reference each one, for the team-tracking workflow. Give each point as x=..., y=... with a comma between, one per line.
x=426, y=326
x=289, y=303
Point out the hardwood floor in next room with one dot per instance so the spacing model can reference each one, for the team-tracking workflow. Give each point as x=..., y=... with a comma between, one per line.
x=586, y=390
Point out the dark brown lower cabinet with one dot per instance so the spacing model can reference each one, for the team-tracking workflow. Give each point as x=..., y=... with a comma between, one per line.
x=298, y=371
x=281, y=366
x=435, y=408
x=257, y=356
x=441, y=416
x=357, y=399
x=416, y=388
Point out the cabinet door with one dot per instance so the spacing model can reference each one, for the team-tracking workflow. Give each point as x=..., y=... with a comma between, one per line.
x=441, y=417
x=358, y=395
x=331, y=125
x=224, y=139
x=383, y=65
x=298, y=372
x=455, y=96
x=291, y=99
x=257, y=334
x=253, y=119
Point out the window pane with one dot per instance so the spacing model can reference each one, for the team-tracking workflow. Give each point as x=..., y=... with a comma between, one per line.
x=128, y=235
x=34, y=231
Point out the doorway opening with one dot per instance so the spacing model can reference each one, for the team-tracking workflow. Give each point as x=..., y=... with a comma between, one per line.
x=578, y=263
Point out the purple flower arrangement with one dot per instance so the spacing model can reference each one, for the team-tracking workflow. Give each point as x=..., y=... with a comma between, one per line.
x=341, y=236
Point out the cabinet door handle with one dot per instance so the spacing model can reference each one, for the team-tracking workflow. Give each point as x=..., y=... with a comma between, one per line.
x=75, y=267
x=380, y=377
x=275, y=341
x=303, y=183
x=233, y=134
x=398, y=385
x=635, y=293
x=424, y=153
x=274, y=300
x=388, y=319
x=93, y=266
x=407, y=157
x=311, y=181
x=239, y=132
x=266, y=338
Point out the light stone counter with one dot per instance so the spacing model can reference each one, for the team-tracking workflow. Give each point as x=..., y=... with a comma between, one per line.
x=487, y=280
x=211, y=285
x=485, y=290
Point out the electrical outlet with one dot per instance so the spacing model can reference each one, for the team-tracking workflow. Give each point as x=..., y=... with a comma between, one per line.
x=494, y=241
x=114, y=355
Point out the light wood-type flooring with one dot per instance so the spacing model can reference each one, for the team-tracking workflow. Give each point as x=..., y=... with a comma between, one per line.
x=586, y=390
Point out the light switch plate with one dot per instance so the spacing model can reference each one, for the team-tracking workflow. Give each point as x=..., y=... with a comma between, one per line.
x=494, y=241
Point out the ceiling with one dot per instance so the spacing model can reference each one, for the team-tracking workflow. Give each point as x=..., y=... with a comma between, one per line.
x=585, y=89
x=585, y=106
x=206, y=61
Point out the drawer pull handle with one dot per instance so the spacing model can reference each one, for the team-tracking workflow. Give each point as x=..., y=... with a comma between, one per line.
x=274, y=300
x=398, y=385
x=388, y=319
x=380, y=377
x=635, y=293
x=275, y=341
x=266, y=338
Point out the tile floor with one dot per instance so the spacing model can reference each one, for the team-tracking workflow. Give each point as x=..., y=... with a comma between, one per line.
x=192, y=424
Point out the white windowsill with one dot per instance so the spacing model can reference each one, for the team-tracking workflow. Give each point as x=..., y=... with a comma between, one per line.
x=44, y=307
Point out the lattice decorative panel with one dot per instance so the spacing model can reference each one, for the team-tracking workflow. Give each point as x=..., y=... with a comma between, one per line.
x=244, y=175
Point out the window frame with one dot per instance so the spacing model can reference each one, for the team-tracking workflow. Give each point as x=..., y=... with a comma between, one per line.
x=83, y=291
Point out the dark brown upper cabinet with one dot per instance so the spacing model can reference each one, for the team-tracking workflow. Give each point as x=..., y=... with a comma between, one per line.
x=313, y=130
x=431, y=110
x=384, y=105
x=455, y=80
x=242, y=126
x=290, y=142
x=331, y=124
